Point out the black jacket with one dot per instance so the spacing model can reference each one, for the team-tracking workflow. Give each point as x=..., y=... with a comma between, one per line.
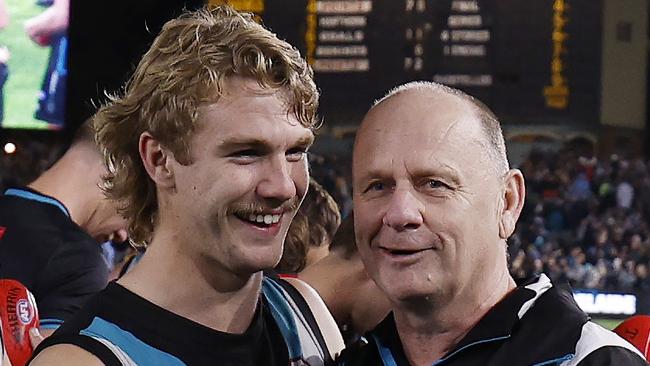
x=536, y=324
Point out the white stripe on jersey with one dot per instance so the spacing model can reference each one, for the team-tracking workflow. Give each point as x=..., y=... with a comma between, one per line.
x=117, y=351
x=542, y=284
x=593, y=337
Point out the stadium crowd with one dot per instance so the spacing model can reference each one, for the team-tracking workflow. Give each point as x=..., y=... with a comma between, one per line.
x=585, y=221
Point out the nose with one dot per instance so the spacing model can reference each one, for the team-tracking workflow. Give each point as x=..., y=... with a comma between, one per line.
x=404, y=211
x=277, y=183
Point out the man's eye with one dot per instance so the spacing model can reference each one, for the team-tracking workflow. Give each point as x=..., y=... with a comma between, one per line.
x=436, y=184
x=296, y=154
x=375, y=187
x=245, y=156
x=245, y=153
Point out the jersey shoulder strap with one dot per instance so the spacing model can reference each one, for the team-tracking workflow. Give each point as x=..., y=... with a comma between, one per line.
x=307, y=326
x=114, y=346
x=88, y=344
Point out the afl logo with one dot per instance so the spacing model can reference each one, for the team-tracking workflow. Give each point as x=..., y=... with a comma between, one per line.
x=24, y=311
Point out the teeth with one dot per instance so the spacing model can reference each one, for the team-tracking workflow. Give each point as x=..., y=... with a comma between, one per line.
x=266, y=219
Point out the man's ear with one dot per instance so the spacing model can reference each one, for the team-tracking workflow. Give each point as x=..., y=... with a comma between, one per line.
x=514, y=195
x=157, y=161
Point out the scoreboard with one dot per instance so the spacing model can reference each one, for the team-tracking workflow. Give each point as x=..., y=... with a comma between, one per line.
x=531, y=61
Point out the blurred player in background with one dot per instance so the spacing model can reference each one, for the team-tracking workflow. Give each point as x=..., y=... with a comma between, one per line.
x=311, y=231
x=4, y=57
x=340, y=279
x=49, y=28
x=51, y=231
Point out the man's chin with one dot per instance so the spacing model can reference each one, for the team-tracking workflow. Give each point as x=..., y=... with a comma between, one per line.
x=410, y=293
x=254, y=265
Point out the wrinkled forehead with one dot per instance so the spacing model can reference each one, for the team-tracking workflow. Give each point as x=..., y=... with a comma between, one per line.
x=415, y=134
x=419, y=119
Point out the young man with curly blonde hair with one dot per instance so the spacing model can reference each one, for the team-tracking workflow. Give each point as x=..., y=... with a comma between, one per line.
x=206, y=158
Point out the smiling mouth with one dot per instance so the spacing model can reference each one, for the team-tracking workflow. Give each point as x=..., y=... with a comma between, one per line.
x=404, y=252
x=260, y=220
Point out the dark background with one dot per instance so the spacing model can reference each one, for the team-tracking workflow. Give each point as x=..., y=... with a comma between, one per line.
x=106, y=42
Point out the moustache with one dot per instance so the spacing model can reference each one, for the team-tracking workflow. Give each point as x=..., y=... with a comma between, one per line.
x=261, y=207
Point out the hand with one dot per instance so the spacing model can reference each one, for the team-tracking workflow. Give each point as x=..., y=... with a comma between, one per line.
x=5, y=55
x=35, y=338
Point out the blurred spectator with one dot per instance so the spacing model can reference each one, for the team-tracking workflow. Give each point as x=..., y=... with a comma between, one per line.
x=624, y=194
x=334, y=174
x=311, y=230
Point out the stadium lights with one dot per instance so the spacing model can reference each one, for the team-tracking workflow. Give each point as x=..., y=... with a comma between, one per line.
x=10, y=148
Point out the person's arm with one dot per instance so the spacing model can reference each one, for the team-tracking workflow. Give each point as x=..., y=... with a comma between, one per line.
x=369, y=307
x=351, y=296
x=4, y=14
x=65, y=354
x=52, y=21
x=43, y=333
x=326, y=323
x=4, y=55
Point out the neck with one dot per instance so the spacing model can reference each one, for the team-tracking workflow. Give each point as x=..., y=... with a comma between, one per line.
x=168, y=276
x=56, y=182
x=428, y=336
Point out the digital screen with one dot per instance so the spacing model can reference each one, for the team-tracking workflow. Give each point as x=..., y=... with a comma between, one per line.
x=530, y=61
x=33, y=63
x=609, y=304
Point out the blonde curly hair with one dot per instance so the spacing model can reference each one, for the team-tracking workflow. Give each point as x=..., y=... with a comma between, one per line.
x=186, y=68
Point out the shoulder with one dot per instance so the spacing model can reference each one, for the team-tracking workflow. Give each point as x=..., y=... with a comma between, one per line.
x=65, y=354
x=83, y=338
x=79, y=253
x=599, y=346
x=324, y=318
x=68, y=280
x=28, y=214
x=382, y=341
x=78, y=312
x=30, y=225
x=313, y=309
x=612, y=355
x=361, y=353
x=589, y=343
